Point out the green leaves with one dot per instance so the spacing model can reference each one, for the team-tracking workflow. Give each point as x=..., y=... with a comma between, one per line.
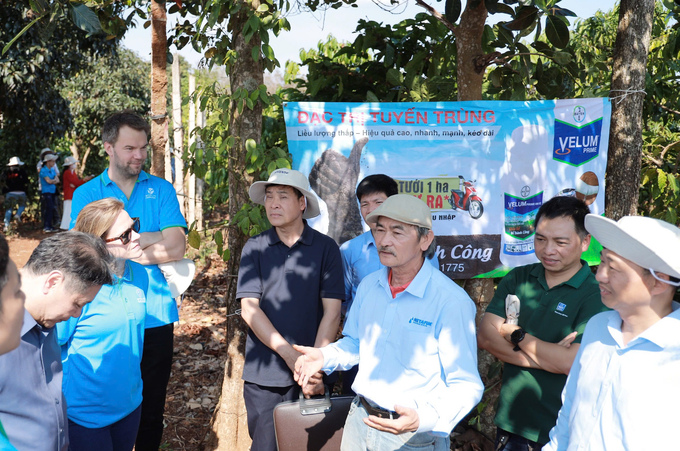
x=85, y=19
x=556, y=31
x=452, y=10
x=394, y=77
x=194, y=239
x=526, y=17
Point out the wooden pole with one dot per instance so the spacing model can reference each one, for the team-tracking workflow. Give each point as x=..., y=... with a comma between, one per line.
x=178, y=132
x=159, y=87
x=191, y=207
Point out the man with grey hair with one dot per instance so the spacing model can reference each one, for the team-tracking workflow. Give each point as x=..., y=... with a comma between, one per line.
x=63, y=274
x=623, y=386
x=412, y=331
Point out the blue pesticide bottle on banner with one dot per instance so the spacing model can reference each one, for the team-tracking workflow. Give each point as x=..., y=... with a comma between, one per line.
x=522, y=181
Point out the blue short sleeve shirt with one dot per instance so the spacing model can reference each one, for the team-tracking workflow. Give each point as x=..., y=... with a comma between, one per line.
x=50, y=173
x=154, y=202
x=101, y=352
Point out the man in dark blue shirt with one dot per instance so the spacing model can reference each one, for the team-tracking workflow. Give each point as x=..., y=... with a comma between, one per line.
x=291, y=288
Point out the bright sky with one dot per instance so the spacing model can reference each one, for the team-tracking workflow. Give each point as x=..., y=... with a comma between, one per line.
x=308, y=29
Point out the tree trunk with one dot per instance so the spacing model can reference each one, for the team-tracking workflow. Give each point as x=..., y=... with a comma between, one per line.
x=229, y=428
x=159, y=87
x=627, y=92
x=469, y=49
x=470, y=78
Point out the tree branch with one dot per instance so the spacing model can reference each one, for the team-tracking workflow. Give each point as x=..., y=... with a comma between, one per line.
x=439, y=16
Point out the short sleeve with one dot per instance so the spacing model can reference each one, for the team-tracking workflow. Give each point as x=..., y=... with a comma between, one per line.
x=591, y=306
x=249, y=283
x=506, y=286
x=333, y=281
x=347, y=270
x=170, y=214
x=78, y=202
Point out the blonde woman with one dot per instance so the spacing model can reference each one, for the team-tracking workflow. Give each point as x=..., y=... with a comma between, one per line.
x=101, y=350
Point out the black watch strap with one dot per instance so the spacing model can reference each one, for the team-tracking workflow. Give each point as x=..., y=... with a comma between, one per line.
x=516, y=337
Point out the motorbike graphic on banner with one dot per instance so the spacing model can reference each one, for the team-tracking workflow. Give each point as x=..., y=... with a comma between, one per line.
x=482, y=167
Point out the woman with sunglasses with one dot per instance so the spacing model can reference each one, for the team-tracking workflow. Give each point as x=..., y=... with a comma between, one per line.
x=101, y=350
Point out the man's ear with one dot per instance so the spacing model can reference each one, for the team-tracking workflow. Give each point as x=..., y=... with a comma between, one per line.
x=585, y=244
x=426, y=240
x=53, y=280
x=108, y=147
x=659, y=286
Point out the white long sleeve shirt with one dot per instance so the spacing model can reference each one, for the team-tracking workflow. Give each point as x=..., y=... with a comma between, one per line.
x=622, y=397
x=418, y=350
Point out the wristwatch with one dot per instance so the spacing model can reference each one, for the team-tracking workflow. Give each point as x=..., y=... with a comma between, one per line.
x=516, y=337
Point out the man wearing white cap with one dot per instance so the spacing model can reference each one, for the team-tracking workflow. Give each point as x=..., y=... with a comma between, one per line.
x=623, y=386
x=15, y=187
x=291, y=287
x=411, y=329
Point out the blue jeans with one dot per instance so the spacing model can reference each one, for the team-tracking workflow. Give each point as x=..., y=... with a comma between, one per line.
x=12, y=199
x=358, y=436
x=119, y=436
x=49, y=204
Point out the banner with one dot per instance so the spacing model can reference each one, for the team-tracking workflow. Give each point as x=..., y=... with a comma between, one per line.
x=483, y=167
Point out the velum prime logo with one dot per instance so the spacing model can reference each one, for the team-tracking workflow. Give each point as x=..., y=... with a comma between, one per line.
x=577, y=144
x=150, y=194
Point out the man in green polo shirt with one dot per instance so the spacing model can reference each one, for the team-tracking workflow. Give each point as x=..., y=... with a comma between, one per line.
x=557, y=298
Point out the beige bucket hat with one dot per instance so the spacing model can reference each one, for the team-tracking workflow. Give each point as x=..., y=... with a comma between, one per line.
x=288, y=177
x=650, y=243
x=403, y=208
x=69, y=161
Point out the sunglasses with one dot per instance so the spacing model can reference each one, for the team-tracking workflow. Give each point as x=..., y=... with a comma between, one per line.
x=125, y=236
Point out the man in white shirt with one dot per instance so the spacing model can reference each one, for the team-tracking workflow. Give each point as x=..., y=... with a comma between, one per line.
x=623, y=387
x=412, y=330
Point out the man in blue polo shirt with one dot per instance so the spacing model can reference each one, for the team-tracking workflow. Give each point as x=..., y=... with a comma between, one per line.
x=162, y=226
x=360, y=255
x=290, y=286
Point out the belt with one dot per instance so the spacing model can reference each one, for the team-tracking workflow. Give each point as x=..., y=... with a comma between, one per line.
x=378, y=411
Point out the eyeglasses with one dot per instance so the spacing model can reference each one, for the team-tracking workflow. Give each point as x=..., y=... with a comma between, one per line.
x=125, y=236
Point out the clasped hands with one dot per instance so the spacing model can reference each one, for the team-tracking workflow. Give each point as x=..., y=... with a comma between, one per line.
x=307, y=369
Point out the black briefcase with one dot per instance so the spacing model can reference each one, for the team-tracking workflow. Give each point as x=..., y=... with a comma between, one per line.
x=314, y=424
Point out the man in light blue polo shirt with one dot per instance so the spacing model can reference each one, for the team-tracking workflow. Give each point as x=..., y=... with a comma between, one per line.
x=412, y=330
x=359, y=255
x=162, y=226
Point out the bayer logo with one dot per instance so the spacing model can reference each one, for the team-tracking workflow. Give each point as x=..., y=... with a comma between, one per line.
x=525, y=191
x=579, y=113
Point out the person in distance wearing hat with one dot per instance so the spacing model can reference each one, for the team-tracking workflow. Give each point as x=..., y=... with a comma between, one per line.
x=49, y=178
x=411, y=329
x=71, y=182
x=290, y=283
x=14, y=189
x=623, y=386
